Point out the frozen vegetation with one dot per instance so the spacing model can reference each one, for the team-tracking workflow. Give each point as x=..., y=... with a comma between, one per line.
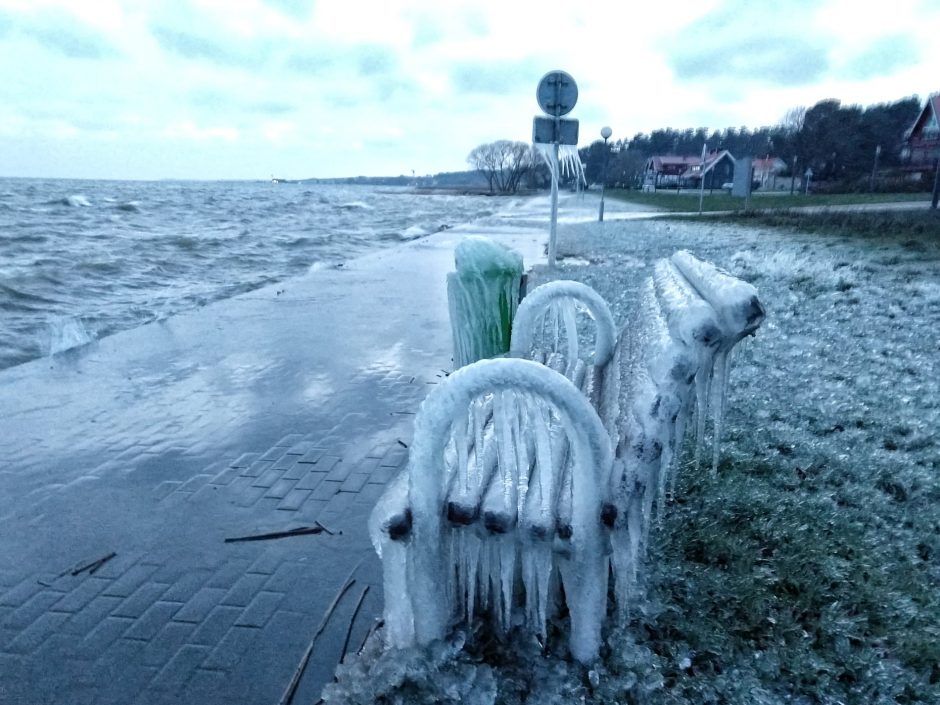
x=805, y=570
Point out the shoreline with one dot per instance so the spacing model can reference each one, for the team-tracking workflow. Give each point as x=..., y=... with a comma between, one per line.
x=113, y=323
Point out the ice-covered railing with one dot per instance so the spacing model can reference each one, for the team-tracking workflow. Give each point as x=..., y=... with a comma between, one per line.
x=548, y=316
x=492, y=504
x=739, y=313
x=511, y=478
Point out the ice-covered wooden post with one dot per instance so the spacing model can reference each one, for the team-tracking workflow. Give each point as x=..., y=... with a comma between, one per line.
x=483, y=295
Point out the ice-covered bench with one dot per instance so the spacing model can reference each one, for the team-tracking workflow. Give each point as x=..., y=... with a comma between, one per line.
x=671, y=357
x=486, y=438
x=522, y=471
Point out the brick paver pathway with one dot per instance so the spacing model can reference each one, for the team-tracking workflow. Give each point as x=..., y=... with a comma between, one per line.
x=279, y=409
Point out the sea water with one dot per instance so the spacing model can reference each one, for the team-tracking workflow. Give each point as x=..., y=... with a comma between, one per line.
x=83, y=259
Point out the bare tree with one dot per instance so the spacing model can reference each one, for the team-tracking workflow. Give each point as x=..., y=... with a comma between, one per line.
x=794, y=118
x=504, y=163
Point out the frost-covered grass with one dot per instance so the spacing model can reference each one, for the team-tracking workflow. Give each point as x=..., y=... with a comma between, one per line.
x=919, y=225
x=808, y=569
x=687, y=201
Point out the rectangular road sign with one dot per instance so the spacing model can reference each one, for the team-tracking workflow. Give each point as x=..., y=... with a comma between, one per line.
x=543, y=130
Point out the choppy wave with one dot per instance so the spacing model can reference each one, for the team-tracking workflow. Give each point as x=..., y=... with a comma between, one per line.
x=11, y=294
x=66, y=333
x=73, y=201
x=112, y=255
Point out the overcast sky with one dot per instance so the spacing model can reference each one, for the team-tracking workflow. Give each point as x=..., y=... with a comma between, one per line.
x=296, y=88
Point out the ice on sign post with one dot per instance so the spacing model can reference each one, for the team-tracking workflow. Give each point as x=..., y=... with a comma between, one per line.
x=556, y=94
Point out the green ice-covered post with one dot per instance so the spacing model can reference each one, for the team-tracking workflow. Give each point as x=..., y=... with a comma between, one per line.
x=483, y=295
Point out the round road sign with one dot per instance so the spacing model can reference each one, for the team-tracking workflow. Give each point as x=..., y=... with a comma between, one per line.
x=557, y=93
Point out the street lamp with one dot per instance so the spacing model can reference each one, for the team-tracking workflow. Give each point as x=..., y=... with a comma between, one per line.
x=606, y=132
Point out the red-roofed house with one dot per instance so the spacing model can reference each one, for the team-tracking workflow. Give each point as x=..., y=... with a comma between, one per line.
x=767, y=170
x=667, y=171
x=922, y=142
x=686, y=172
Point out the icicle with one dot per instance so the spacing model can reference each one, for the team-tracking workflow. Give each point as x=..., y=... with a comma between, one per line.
x=472, y=548
x=719, y=386
x=507, y=455
x=507, y=574
x=568, y=164
x=536, y=572
x=478, y=413
x=520, y=444
x=460, y=442
x=571, y=329
x=702, y=385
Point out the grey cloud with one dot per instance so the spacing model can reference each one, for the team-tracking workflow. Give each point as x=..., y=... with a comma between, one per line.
x=789, y=63
x=429, y=31
x=217, y=100
x=498, y=78
x=748, y=18
x=880, y=58
x=270, y=107
x=300, y=9
x=309, y=62
x=366, y=60
x=426, y=32
x=68, y=38
x=749, y=41
x=72, y=43
x=375, y=60
x=194, y=46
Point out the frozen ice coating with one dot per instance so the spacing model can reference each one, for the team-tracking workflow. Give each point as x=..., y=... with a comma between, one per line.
x=530, y=318
x=711, y=310
x=399, y=619
x=569, y=161
x=483, y=295
x=480, y=256
x=513, y=497
x=447, y=568
x=690, y=319
x=736, y=301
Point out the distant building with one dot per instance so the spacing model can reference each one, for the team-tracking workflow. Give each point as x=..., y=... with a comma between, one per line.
x=667, y=171
x=717, y=169
x=767, y=170
x=674, y=172
x=922, y=141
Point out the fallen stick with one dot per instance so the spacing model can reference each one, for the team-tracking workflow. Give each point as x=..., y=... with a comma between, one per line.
x=352, y=621
x=92, y=567
x=331, y=533
x=291, y=690
x=299, y=531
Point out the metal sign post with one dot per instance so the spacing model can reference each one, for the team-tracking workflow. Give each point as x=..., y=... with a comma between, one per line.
x=556, y=94
x=606, y=132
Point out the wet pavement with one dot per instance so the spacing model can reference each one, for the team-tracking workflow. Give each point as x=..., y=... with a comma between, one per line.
x=278, y=409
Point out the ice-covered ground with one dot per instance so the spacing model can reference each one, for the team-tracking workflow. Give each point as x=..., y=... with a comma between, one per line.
x=808, y=570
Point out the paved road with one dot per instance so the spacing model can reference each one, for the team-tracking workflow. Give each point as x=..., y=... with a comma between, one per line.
x=277, y=409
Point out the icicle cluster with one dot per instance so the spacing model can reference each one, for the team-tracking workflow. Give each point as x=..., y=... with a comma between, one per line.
x=514, y=497
x=515, y=457
x=568, y=164
x=548, y=316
